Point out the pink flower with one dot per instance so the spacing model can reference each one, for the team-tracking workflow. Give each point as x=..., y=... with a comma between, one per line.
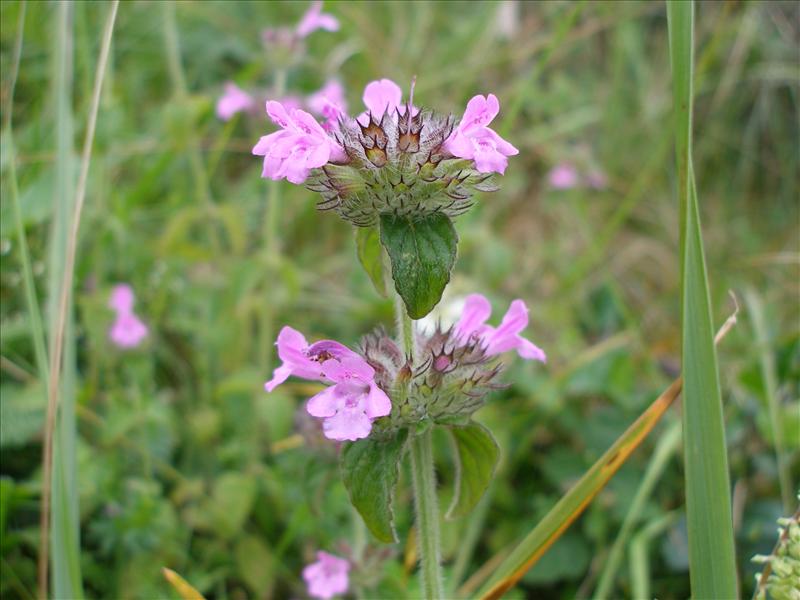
x=122, y=298
x=127, y=331
x=234, y=100
x=500, y=339
x=300, y=145
x=474, y=140
x=303, y=360
x=382, y=96
x=349, y=406
x=327, y=577
x=563, y=176
x=329, y=102
x=314, y=19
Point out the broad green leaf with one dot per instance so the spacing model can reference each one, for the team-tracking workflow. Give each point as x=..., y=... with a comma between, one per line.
x=423, y=252
x=476, y=458
x=370, y=255
x=712, y=562
x=369, y=470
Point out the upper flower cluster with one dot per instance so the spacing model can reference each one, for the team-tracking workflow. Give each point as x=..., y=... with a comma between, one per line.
x=448, y=382
x=392, y=158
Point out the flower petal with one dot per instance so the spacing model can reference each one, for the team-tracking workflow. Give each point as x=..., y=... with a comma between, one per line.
x=377, y=403
x=382, y=95
x=279, y=375
x=325, y=403
x=476, y=310
x=530, y=351
x=348, y=424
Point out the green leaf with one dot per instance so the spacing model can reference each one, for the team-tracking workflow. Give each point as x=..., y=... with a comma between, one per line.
x=712, y=562
x=232, y=499
x=423, y=252
x=476, y=458
x=370, y=256
x=255, y=564
x=369, y=470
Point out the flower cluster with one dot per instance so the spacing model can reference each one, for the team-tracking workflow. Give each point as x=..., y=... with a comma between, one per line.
x=127, y=331
x=393, y=158
x=447, y=383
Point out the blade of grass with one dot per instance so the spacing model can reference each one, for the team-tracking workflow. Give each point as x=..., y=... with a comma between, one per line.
x=55, y=524
x=32, y=302
x=183, y=587
x=667, y=446
x=712, y=566
x=575, y=501
x=59, y=476
x=767, y=361
x=638, y=551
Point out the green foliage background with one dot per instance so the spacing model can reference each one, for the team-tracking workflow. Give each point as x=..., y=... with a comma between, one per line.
x=184, y=461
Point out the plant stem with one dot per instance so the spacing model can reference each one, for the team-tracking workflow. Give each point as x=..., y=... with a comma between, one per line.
x=423, y=480
x=428, y=539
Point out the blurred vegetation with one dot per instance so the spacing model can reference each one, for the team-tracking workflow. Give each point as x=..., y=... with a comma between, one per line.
x=184, y=461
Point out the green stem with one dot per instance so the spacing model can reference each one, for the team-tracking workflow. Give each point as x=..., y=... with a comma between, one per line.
x=423, y=480
x=428, y=539
x=405, y=328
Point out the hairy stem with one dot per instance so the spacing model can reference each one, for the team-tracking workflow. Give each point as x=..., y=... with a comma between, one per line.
x=423, y=480
x=428, y=539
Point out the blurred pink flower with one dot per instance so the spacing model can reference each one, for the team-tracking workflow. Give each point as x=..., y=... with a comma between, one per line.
x=329, y=102
x=234, y=100
x=314, y=19
x=500, y=339
x=128, y=331
x=474, y=140
x=122, y=298
x=563, y=176
x=301, y=145
x=327, y=577
x=351, y=403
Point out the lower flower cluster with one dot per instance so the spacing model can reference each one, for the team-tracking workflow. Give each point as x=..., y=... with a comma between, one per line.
x=379, y=389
